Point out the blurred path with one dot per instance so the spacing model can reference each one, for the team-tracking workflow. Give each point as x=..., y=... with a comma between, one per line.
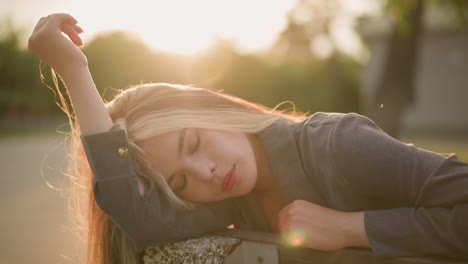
x=33, y=221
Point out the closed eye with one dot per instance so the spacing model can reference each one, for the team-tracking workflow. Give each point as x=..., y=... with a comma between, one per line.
x=198, y=142
x=197, y=145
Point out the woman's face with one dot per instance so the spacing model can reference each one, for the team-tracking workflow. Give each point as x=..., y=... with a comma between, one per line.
x=195, y=162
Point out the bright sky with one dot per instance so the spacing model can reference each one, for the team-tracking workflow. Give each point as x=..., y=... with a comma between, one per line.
x=185, y=26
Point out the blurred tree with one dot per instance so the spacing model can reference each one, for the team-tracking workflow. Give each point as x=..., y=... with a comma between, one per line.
x=118, y=59
x=309, y=23
x=21, y=98
x=395, y=90
x=208, y=68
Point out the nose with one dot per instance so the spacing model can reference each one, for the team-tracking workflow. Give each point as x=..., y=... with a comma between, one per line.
x=202, y=170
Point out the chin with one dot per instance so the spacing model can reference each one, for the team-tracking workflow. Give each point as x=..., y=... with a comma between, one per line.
x=247, y=190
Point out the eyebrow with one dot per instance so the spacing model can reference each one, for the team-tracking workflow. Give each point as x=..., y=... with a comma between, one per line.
x=180, y=147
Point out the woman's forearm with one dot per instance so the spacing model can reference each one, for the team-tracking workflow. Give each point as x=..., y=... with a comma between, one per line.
x=355, y=231
x=63, y=55
x=89, y=107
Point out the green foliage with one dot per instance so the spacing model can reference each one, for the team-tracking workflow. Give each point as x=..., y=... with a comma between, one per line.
x=19, y=85
x=117, y=59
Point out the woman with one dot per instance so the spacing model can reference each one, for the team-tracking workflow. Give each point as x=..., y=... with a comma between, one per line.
x=171, y=162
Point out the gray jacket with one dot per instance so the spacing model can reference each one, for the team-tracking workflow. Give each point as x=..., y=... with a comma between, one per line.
x=415, y=201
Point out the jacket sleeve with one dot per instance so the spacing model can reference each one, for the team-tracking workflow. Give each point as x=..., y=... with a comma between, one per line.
x=147, y=218
x=419, y=199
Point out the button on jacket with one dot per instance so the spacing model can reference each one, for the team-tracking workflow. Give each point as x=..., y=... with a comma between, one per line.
x=415, y=201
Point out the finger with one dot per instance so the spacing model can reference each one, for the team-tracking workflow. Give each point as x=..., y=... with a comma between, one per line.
x=78, y=29
x=282, y=216
x=282, y=225
x=287, y=222
x=72, y=34
x=282, y=220
x=284, y=209
x=39, y=23
x=59, y=19
x=65, y=18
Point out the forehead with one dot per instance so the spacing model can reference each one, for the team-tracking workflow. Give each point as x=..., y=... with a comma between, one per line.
x=162, y=151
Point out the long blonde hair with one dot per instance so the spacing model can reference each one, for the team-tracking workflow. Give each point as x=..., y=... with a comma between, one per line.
x=144, y=111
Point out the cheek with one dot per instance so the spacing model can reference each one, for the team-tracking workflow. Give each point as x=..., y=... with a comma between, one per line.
x=234, y=144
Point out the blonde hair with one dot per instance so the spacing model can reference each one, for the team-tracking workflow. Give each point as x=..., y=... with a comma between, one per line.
x=144, y=111
x=148, y=110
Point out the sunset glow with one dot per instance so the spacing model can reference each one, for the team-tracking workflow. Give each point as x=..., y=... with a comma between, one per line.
x=184, y=26
x=187, y=26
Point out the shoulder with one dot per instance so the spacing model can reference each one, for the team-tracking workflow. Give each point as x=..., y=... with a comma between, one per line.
x=324, y=134
x=340, y=135
x=322, y=118
x=334, y=124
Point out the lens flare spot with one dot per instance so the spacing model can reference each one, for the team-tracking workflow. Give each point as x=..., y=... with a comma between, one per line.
x=295, y=241
x=295, y=237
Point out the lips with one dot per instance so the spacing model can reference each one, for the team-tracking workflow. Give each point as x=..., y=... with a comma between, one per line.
x=229, y=180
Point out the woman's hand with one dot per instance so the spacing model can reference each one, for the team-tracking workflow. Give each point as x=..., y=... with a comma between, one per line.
x=49, y=44
x=309, y=225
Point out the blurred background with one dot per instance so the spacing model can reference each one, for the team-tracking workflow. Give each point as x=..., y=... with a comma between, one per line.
x=403, y=63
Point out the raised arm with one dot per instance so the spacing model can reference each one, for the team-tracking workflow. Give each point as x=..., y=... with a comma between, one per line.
x=63, y=55
x=147, y=218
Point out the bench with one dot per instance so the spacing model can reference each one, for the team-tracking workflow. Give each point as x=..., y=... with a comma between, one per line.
x=234, y=246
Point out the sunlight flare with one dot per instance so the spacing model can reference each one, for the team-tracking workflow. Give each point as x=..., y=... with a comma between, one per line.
x=295, y=237
x=187, y=26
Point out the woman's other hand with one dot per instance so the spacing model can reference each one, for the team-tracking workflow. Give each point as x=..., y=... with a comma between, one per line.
x=309, y=225
x=49, y=44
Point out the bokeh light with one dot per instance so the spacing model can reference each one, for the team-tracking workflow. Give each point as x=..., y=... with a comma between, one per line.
x=294, y=237
x=295, y=241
